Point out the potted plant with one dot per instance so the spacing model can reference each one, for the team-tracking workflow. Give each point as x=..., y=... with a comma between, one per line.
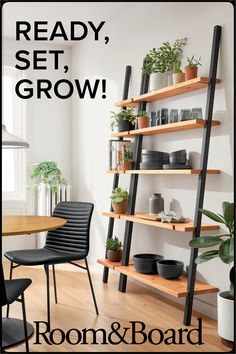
x=48, y=172
x=192, y=68
x=125, y=161
x=124, y=120
x=225, y=252
x=143, y=119
x=178, y=75
x=119, y=200
x=159, y=62
x=114, y=249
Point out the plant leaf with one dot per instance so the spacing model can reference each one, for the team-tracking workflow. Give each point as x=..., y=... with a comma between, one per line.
x=226, y=251
x=228, y=211
x=232, y=275
x=212, y=216
x=206, y=256
x=206, y=241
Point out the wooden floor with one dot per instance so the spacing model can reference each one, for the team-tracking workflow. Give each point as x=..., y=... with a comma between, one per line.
x=75, y=310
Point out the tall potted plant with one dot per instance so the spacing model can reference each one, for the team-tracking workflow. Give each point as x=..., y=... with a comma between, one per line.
x=225, y=252
x=125, y=119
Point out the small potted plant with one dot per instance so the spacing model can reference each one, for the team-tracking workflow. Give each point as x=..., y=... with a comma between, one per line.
x=143, y=119
x=225, y=252
x=125, y=161
x=178, y=75
x=124, y=120
x=192, y=68
x=114, y=249
x=119, y=200
x=47, y=172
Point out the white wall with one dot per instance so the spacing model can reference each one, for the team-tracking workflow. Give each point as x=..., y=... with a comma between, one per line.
x=48, y=130
x=132, y=33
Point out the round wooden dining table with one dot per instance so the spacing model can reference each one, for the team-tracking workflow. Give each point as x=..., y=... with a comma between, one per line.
x=12, y=328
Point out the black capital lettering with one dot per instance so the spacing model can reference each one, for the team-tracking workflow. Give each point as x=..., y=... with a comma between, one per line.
x=24, y=60
x=38, y=30
x=96, y=30
x=87, y=87
x=67, y=82
x=44, y=89
x=24, y=31
x=38, y=333
x=37, y=59
x=72, y=29
x=135, y=331
x=61, y=33
x=199, y=334
x=56, y=57
x=29, y=90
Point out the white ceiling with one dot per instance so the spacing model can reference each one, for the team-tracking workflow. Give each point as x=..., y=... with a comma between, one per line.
x=59, y=11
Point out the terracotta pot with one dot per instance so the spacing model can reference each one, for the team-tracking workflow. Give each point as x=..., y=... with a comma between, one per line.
x=143, y=122
x=190, y=72
x=114, y=256
x=126, y=165
x=120, y=208
x=178, y=77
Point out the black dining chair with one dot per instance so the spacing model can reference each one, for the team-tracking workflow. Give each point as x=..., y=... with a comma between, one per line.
x=13, y=290
x=66, y=244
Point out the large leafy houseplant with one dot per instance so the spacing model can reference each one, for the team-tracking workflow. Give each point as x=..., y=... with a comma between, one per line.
x=48, y=173
x=125, y=114
x=224, y=243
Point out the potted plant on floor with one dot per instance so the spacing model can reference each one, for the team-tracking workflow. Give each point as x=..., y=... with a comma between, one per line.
x=125, y=161
x=143, y=119
x=47, y=172
x=178, y=75
x=225, y=252
x=119, y=200
x=124, y=120
x=192, y=68
x=114, y=249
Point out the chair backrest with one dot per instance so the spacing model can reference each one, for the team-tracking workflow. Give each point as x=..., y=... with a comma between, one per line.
x=73, y=237
x=3, y=295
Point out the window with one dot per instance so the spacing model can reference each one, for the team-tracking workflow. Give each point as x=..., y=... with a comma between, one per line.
x=13, y=160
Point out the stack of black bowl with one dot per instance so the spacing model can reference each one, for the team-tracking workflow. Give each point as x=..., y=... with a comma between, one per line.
x=153, y=160
x=178, y=160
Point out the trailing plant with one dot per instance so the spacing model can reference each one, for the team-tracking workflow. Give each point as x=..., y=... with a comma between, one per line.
x=48, y=172
x=142, y=114
x=224, y=242
x=124, y=114
x=119, y=195
x=113, y=244
x=161, y=60
x=193, y=61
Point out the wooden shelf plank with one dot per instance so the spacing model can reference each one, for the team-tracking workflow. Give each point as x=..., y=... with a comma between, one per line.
x=181, y=227
x=166, y=128
x=173, y=90
x=174, y=287
x=165, y=172
x=105, y=262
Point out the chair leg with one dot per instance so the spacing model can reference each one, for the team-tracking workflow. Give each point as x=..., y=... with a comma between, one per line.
x=54, y=282
x=25, y=323
x=91, y=286
x=10, y=277
x=46, y=267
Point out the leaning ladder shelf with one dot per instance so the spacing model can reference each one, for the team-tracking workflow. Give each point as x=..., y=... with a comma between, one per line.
x=184, y=286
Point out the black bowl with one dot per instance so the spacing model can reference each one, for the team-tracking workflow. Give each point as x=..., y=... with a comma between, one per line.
x=149, y=158
x=146, y=263
x=179, y=153
x=170, y=269
x=154, y=153
x=178, y=160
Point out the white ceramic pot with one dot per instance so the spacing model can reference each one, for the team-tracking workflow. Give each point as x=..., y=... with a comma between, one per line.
x=225, y=316
x=158, y=81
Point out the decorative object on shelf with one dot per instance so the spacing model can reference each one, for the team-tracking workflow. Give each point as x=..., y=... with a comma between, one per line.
x=124, y=120
x=192, y=68
x=156, y=204
x=178, y=157
x=119, y=199
x=153, y=160
x=176, y=167
x=170, y=269
x=143, y=119
x=164, y=116
x=178, y=75
x=117, y=148
x=158, y=63
x=125, y=161
x=225, y=252
x=185, y=114
x=114, y=249
x=171, y=217
x=196, y=113
x=48, y=173
x=158, y=118
x=146, y=263
x=173, y=116
x=153, y=119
